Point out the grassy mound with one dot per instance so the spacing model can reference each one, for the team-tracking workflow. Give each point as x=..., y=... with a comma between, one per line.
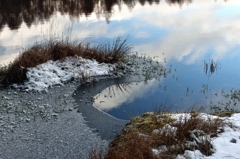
x=155, y=136
x=55, y=49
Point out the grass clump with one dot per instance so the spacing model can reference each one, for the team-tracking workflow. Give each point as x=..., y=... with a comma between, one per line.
x=155, y=136
x=55, y=49
x=147, y=122
x=188, y=134
x=130, y=144
x=224, y=113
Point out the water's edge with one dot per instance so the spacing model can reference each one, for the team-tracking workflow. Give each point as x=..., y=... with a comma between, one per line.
x=104, y=124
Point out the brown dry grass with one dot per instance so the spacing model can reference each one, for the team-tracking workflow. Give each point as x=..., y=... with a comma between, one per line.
x=55, y=49
x=132, y=145
x=136, y=143
x=93, y=154
x=176, y=142
x=126, y=146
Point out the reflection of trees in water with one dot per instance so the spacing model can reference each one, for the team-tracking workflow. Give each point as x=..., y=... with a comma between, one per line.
x=179, y=1
x=142, y=2
x=14, y=12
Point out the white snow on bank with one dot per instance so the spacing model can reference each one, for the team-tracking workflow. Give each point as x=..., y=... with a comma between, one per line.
x=224, y=148
x=59, y=72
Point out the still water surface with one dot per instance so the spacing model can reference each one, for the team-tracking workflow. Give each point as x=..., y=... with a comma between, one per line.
x=184, y=34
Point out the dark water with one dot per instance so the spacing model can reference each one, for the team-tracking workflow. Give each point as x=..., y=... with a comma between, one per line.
x=197, y=40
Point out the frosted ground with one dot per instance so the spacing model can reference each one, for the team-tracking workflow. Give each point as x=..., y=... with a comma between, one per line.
x=41, y=119
x=44, y=125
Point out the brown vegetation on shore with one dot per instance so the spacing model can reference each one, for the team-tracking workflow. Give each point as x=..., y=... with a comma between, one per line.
x=166, y=135
x=55, y=49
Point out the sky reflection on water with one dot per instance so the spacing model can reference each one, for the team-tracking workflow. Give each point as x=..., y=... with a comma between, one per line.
x=184, y=34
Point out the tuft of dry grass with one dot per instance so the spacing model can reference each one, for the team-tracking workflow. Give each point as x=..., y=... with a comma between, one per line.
x=55, y=49
x=169, y=137
x=130, y=144
x=188, y=134
x=93, y=154
x=223, y=113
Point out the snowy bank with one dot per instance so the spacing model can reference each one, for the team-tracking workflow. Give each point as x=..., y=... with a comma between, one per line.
x=225, y=145
x=59, y=72
x=179, y=135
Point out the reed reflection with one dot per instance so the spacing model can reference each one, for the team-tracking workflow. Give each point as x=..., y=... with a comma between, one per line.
x=210, y=67
x=13, y=12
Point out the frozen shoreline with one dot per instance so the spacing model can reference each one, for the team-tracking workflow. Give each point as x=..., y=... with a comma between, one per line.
x=46, y=125
x=41, y=118
x=58, y=120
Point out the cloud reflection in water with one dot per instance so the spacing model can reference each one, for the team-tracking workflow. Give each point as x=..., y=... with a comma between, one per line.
x=115, y=95
x=185, y=32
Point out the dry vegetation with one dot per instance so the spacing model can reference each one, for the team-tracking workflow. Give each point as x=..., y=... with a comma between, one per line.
x=167, y=135
x=55, y=49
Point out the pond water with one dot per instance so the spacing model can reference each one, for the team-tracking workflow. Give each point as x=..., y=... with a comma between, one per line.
x=197, y=40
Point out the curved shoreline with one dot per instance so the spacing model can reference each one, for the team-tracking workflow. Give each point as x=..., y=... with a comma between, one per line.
x=106, y=125
x=56, y=123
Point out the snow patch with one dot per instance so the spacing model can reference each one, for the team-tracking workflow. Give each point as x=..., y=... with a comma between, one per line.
x=222, y=144
x=59, y=72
